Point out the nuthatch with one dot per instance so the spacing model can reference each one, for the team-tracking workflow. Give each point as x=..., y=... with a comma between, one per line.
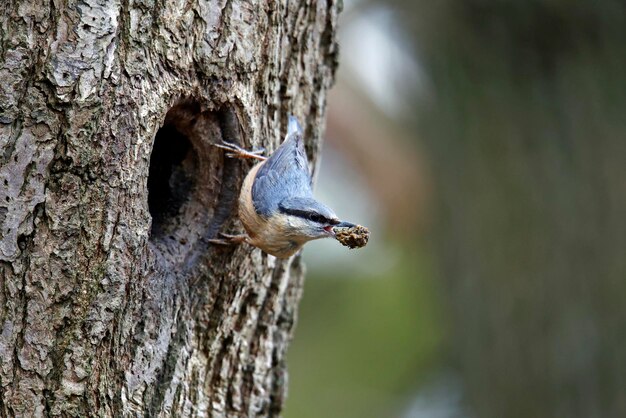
x=276, y=203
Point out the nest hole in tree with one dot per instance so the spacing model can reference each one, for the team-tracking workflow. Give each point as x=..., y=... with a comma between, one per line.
x=173, y=166
x=189, y=183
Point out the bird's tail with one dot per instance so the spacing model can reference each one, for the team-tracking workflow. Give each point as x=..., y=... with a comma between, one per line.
x=293, y=126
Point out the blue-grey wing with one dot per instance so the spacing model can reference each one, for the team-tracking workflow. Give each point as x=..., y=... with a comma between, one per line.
x=284, y=174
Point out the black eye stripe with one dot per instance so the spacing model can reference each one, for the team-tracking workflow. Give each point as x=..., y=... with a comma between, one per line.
x=312, y=216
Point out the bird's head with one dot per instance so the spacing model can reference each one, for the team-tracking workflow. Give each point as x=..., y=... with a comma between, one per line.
x=306, y=219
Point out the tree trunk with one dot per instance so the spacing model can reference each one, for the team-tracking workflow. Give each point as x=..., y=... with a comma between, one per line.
x=112, y=302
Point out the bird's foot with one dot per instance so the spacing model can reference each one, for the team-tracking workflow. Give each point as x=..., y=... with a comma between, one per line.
x=235, y=151
x=227, y=239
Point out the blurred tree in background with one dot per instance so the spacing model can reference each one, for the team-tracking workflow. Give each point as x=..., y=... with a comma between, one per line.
x=519, y=108
x=526, y=128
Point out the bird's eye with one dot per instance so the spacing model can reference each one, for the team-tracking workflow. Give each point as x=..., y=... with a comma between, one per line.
x=316, y=218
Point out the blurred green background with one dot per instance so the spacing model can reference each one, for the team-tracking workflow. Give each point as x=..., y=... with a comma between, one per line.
x=484, y=144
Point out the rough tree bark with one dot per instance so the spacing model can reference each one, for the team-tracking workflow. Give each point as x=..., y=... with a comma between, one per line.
x=112, y=303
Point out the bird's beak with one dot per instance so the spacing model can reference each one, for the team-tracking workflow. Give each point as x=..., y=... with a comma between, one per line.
x=340, y=225
x=329, y=231
x=344, y=225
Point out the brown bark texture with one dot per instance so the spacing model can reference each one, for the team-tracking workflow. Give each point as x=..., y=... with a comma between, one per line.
x=112, y=302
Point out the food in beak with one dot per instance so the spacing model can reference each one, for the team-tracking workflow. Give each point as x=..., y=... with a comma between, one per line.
x=354, y=236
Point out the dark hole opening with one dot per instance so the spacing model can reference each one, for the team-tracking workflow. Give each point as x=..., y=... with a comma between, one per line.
x=170, y=179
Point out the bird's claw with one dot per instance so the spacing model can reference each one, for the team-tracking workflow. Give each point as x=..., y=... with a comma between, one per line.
x=235, y=151
x=228, y=239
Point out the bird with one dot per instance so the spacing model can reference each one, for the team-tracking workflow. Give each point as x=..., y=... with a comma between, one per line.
x=276, y=203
